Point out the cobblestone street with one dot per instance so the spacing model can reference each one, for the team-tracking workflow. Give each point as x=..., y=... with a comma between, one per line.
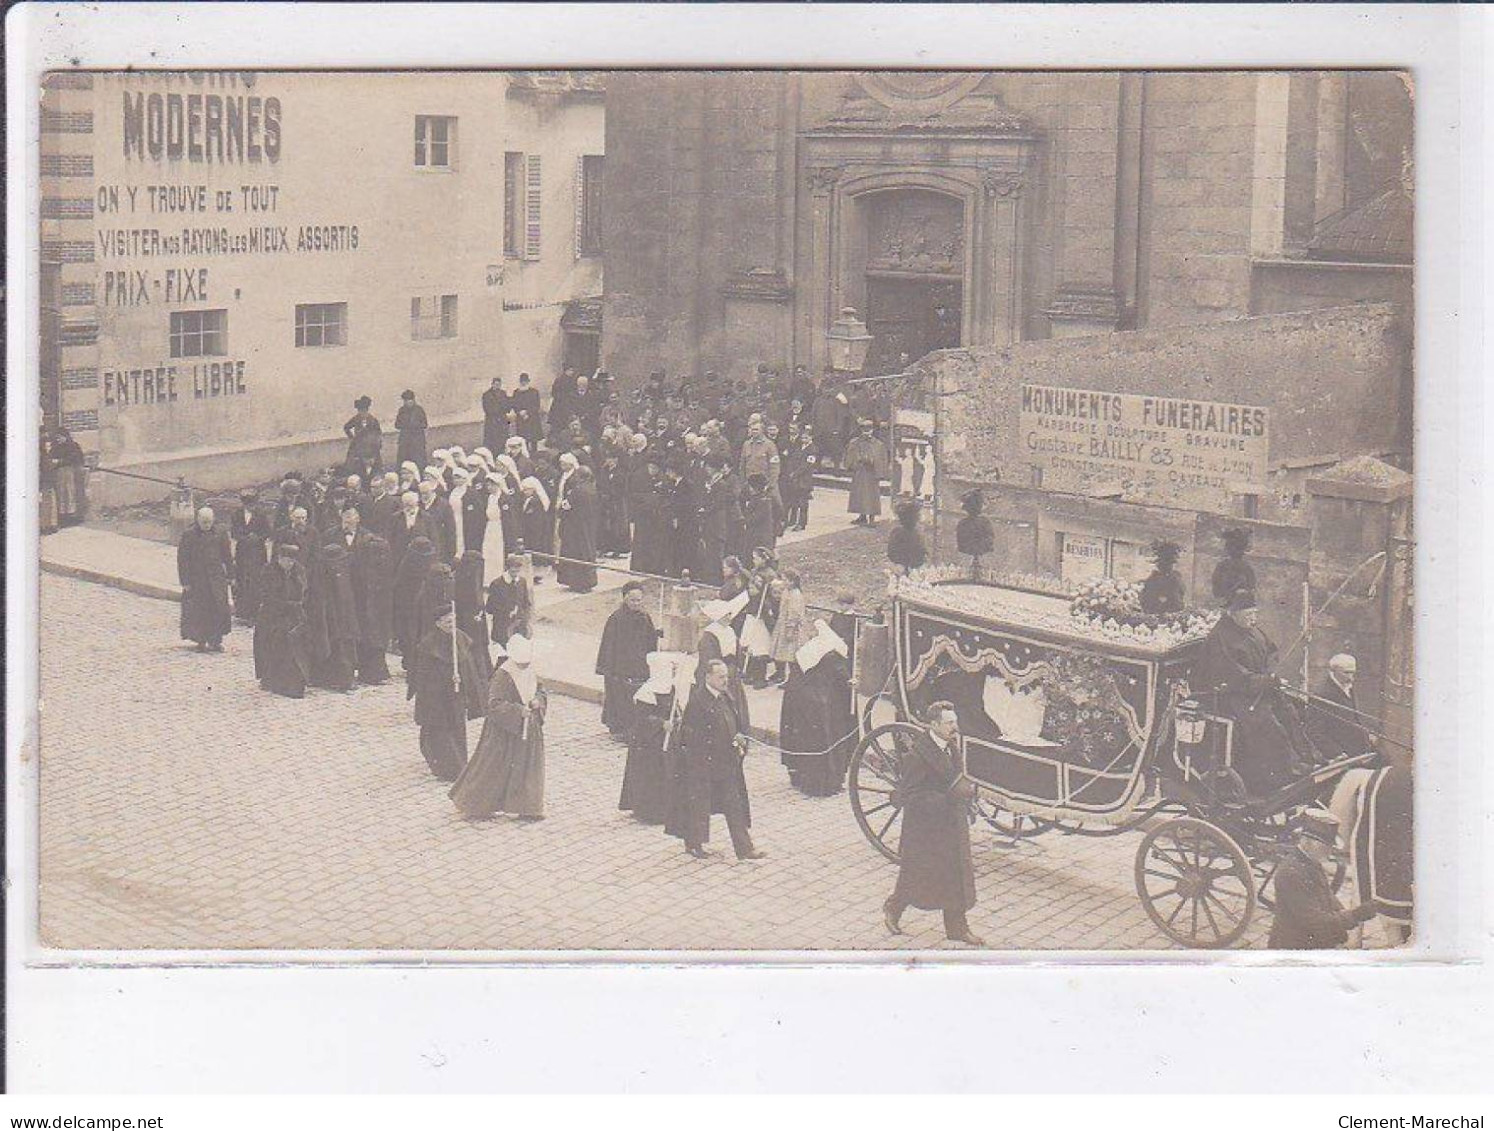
x=184, y=808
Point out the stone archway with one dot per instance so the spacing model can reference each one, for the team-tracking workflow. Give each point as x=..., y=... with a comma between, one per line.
x=874, y=154
x=907, y=271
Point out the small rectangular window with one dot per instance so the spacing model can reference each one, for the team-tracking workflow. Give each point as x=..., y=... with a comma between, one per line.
x=321, y=324
x=433, y=317
x=589, y=226
x=199, y=333
x=435, y=142
x=513, y=204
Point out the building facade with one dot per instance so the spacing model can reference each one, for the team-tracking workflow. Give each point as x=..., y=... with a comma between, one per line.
x=980, y=208
x=1148, y=306
x=230, y=259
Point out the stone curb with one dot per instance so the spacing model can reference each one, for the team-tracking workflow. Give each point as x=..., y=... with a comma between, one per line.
x=128, y=584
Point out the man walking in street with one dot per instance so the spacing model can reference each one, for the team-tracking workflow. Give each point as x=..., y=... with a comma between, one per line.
x=203, y=564
x=715, y=743
x=936, y=873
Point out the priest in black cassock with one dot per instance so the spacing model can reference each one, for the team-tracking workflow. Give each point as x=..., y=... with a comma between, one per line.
x=203, y=562
x=622, y=660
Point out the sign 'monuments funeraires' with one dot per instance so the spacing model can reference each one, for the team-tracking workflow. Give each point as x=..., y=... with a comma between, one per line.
x=1146, y=448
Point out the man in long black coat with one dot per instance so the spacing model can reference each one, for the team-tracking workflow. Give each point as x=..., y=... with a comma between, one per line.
x=251, y=555
x=714, y=742
x=373, y=594
x=411, y=423
x=203, y=563
x=935, y=873
x=1234, y=671
x=494, y=416
x=622, y=659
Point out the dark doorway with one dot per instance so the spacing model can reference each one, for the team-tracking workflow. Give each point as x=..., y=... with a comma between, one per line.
x=582, y=352
x=909, y=316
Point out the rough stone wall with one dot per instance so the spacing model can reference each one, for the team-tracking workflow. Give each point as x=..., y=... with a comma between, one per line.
x=1330, y=378
x=1197, y=179
x=693, y=199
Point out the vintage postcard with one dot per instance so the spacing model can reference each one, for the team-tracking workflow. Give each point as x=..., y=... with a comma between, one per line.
x=793, y=511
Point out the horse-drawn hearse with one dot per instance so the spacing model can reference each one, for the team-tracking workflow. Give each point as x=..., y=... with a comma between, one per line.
x=1076, y=723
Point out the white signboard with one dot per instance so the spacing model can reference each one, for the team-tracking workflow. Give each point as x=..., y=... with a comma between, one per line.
x=1145, y=448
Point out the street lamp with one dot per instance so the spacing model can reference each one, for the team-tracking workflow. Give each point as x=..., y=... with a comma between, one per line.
x=848, y=341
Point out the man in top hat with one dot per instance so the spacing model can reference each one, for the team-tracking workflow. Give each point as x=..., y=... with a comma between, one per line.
x=1234, y=667
x=1308, y=914
x=622, y=659
x=365, y=439
x=866, y=460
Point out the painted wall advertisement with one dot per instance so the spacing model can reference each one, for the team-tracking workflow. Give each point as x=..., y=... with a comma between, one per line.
x=1144, y=448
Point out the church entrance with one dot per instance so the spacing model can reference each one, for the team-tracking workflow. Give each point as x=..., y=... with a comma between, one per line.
x=909, y=316
x=914, y=273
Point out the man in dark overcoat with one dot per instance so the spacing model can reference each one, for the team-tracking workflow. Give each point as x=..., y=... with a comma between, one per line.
x=1234, y=674
x=204, y=561
x=1334, y=720
x=495, y=416
x=622, y=659
x=714, y=743
x=1308, y=914
x=935, y=873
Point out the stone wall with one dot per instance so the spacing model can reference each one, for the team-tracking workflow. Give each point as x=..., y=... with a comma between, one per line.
x=1331, y=380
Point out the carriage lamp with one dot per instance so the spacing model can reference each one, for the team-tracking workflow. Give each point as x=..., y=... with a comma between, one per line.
x=848, y=341
x=1190, y=722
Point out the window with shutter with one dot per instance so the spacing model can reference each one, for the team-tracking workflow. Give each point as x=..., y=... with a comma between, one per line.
x=513, y=203
x=532, y=206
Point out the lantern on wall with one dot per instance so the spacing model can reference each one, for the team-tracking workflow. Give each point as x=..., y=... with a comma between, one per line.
x=848, y=342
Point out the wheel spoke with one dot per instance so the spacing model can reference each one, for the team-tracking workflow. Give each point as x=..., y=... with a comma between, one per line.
x=872, y=789
x=888, y=825
x=1223, y=910
x=1160, y=875
x=1179, y=861
x=1218, y=934
x=878, y=809
x=1182, y=903
x=1193, y=929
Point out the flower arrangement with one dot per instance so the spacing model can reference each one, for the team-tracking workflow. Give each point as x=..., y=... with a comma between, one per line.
x=1010, y=601
x=1114, y=608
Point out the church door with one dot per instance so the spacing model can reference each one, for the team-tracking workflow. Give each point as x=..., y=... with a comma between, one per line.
x=909, y=316
x=915, y=264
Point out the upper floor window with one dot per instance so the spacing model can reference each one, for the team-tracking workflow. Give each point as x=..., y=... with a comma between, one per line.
x=589, y=205
x=435, y=142
x=433, y=317
x=199, y=333
x=513, y=204
x=321, y=324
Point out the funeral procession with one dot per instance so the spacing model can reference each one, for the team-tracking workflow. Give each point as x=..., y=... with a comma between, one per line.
x=792, y=511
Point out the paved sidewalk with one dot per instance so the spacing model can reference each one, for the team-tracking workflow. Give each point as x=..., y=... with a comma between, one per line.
x=564, y=657
x=132, y=564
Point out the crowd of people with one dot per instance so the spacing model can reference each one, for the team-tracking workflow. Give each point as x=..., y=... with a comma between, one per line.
x=695, y=481
x=342, y=570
